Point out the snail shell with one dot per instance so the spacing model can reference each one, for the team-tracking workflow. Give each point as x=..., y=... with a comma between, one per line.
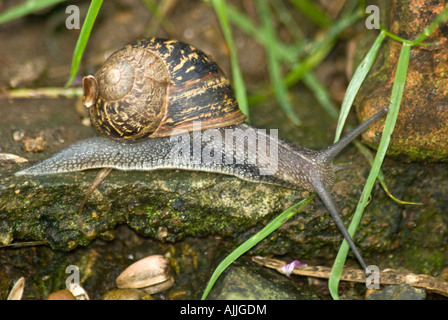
x=150, y=88
x=153, y=86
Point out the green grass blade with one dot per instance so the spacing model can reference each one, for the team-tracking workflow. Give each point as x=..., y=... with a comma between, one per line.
x=286, y=17
x=220, y=8
x=241, y=21
x=394, y=106
x=439, y=19
x=26, y=8
x=159, y=11
x=381, y=178
x=252, y=241
x=313, y=12
x=94, y=8
x=321, y=94
x=356, y=82
x=46, y=92
x=274, y=69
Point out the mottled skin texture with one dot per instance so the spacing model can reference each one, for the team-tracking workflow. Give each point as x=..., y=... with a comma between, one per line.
x=195, y=97
x=296, y=166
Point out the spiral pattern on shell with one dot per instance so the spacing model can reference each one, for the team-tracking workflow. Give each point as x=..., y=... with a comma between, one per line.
x=151, y=87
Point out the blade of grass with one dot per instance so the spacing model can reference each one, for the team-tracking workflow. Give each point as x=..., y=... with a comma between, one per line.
x=285, y=17
x=252, y=241
x=94, y=8
x=273, y=61
x=241, y=21
x=352, y=5
x=280, y=51
x=352, y=90
x=395, y=101
x=321, y=50
x=26, y=8
x=48, y=92
x=356, y=82
x=439, y=19
x=220, y=8
x=159, y=10
x=369, y=156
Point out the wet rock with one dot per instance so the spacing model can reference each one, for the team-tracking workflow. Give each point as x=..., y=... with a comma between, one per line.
x=398, y=292
x=421, y=132
x=166, y=205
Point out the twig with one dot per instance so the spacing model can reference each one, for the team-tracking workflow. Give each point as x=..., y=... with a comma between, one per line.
x=48, y=92
x=387, y=276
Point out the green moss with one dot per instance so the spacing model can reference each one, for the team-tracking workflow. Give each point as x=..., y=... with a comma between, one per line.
x=426, y=261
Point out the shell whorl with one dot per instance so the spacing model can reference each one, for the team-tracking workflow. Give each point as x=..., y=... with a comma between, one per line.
x=116, y=81
x=151, y=87
x=131, y=99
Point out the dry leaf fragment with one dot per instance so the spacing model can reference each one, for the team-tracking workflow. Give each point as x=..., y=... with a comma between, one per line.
x=11, y=158
x=17, y=291
x=33, y=145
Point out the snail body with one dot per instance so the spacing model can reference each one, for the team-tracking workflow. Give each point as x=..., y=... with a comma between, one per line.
x=189, y=128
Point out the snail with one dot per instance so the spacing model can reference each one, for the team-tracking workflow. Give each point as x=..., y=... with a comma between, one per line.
x=163, y=104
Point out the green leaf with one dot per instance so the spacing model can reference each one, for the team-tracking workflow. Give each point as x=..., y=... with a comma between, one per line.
x=94, y=8
x=321, y=94
x=287, y=52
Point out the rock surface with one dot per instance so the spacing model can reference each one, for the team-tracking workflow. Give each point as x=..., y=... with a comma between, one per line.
x=421, y=132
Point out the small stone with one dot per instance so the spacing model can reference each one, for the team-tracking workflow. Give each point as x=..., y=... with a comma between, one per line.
x=398, y=292
x=63, y=294
x=146, y=272
x=33, y=145
x=421, y=132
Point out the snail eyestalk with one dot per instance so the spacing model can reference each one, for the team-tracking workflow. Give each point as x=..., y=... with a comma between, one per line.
x=90, y=87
